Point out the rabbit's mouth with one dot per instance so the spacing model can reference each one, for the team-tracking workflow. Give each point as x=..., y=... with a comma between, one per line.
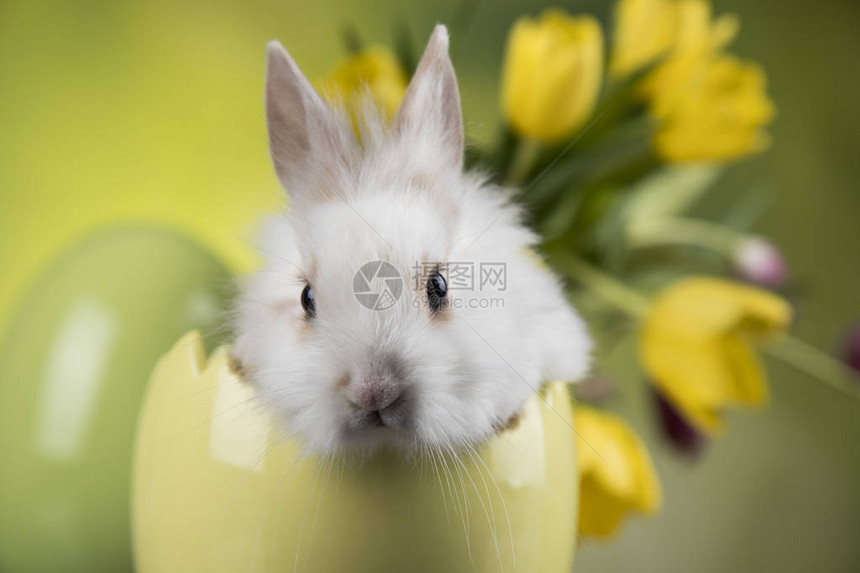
x=394, y=416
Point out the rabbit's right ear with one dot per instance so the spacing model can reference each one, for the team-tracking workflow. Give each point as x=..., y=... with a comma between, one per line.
x=306, y=139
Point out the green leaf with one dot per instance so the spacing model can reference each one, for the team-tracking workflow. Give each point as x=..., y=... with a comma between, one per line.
x=669, y=192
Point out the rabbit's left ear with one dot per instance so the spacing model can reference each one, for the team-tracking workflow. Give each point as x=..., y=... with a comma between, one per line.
x=431, y=106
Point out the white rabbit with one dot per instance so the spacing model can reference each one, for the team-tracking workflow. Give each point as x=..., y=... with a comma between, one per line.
x=429, y=363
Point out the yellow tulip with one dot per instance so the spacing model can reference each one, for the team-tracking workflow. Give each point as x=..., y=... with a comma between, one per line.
x=718, y=114
x=552, y=74
x=697, y=29
x=646, y=30
x=695, y=344
x=374, y=71
x=616, y=474
x=710, y=106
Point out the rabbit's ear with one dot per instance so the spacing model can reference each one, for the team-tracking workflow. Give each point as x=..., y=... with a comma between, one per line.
x=306, y=139
x=431, y=106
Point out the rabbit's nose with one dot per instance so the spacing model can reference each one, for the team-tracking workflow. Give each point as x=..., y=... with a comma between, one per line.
x=376, y=394
x=379, y=384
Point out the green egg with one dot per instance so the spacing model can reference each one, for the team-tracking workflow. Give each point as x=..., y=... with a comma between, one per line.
x=74, y=363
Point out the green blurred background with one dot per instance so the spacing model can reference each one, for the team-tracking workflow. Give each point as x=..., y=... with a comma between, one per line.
x=152, y=111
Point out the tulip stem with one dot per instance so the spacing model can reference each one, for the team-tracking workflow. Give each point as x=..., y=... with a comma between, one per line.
x=806, y=358
x=525, y=156
x=792, y=351
x=676, y=230
x=605, y=286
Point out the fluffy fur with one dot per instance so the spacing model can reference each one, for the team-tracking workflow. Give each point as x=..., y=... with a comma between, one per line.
x=400, y=196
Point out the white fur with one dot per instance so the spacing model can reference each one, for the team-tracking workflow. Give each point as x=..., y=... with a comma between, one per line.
x=400, y=197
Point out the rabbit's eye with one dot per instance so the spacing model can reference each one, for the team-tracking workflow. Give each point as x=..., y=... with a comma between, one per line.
x=309, y=302
x=437, y=290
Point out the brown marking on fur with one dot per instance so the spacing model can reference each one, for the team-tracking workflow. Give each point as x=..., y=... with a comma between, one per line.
x=344, y=380
x=512, y=424
x=305, y=327
x=442, y=315
x=326, y=192
x=237, y=367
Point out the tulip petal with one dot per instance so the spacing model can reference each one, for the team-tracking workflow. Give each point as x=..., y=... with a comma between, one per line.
x=644, y=31
x=616, y=473
x=748, y=388
x=695, y=345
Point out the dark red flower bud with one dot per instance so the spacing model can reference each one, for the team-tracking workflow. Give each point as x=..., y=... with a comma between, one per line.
x=680, y=433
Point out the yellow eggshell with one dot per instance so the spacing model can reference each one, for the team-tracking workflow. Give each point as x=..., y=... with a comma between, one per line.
x=216, y=490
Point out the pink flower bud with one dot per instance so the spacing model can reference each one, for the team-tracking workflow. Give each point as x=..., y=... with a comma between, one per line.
x=758, y=261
